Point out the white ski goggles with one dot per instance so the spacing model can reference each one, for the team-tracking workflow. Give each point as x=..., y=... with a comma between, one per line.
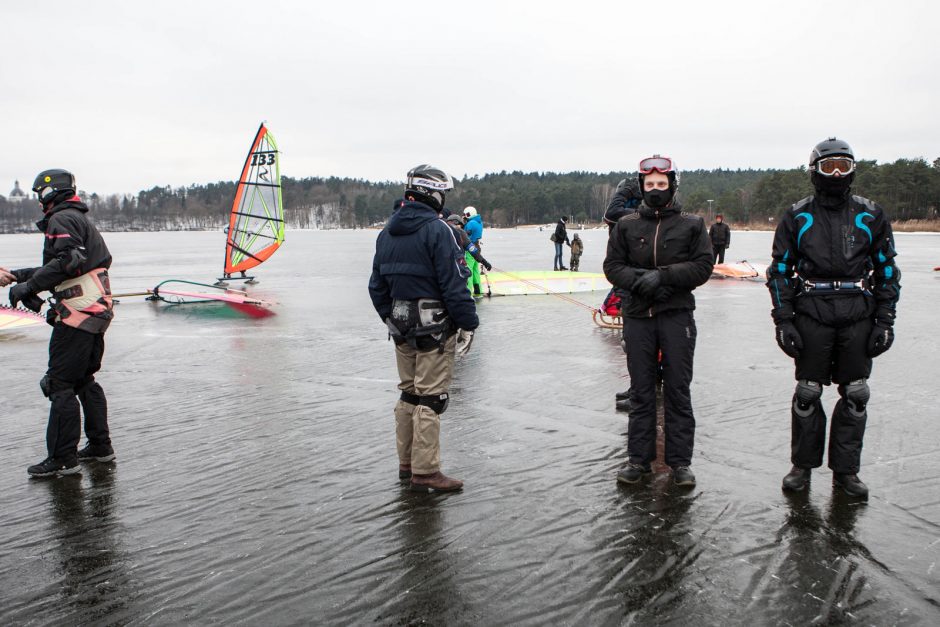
x=832, y=166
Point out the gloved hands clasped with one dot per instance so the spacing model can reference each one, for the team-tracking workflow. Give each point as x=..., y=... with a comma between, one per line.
x=880, y=339
x=647, y=282
x=788, y=338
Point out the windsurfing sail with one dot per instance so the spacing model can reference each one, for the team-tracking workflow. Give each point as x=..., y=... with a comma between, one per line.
x=740, y=270
x=544, y=282
x=17, y=318
x=256, y=224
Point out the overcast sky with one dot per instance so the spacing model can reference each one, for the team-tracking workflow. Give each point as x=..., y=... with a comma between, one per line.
x=129, y=95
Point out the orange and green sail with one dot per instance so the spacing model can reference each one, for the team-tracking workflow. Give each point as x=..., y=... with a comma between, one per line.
x=256, y=224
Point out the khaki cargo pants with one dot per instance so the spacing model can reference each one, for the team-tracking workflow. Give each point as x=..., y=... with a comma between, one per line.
x=417, y=427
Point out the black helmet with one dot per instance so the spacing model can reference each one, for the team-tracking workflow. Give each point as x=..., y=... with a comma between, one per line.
x=428, y=185
x=50, y=184
x=832, y=147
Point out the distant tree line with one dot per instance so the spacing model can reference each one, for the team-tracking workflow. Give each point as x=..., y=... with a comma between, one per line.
x=909, y=189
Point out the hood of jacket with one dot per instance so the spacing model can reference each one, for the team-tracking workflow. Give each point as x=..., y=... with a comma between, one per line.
x=476, y=219
x=410, y=216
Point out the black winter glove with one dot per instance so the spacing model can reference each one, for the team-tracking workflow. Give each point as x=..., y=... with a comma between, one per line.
x=487, y=265
x=881, y=339
x=647, y=284
x=663, y=293
x=788, y=339
x=20, y=293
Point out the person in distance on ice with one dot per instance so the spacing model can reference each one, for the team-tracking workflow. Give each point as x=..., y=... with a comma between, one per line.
x=456, y=223
x=657, y=256
x=720, y=234
x=473, y=225
x=75, y=269
x=577, y=249
x=419, y=289
x=560, y=237
x=834, y=289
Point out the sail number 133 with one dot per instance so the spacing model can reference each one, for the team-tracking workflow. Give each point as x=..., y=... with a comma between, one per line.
x=262, y=158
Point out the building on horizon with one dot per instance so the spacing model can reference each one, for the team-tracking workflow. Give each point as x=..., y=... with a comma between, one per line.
x=17, y=195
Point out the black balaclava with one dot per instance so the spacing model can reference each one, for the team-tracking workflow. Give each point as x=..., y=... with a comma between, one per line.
x=832, y=191
x=659, y=198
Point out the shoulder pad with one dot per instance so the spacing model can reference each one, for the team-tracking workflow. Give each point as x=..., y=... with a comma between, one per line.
x=868, y=204
x=800, y=205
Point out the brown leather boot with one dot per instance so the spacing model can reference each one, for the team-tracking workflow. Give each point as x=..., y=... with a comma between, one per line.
x=436, y=482
x=404, y=471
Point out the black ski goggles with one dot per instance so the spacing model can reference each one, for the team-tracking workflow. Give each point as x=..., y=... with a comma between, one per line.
x=656, y=164
x=832, y=166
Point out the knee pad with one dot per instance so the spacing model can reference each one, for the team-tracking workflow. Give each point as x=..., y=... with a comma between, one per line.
x=436, y=403
x=408, y=397
x=53, y=388
x=856, y=394
x=806, y=395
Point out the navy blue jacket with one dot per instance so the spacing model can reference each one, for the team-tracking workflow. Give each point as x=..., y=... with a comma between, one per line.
x=416, y=256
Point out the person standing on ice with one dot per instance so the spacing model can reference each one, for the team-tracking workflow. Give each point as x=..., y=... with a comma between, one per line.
x=720, y=234
x=419, y=289
x=577, y=249
x=834, y=289
x=75, y=269
x=473, y=225
x=560, y=237
x=627, y=197
x=658, y=255
x=463, y=240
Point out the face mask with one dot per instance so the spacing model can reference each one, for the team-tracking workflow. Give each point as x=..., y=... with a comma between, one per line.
x=657, y=198
x=833, y=187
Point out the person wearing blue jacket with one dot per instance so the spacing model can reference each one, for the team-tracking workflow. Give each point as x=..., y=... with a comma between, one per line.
x=418, y=288
x=474, y=227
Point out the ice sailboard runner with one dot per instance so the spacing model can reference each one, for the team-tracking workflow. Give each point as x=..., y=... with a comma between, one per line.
x=256, y=223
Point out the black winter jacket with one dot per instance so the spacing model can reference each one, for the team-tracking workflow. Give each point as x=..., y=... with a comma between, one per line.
x=417, y=256
x=674, y=242
x=561, y=233
x=720, y=234
x=850, y=242
x=72, y=247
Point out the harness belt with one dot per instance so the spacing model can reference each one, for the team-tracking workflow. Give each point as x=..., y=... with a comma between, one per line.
x=423, y=324
x=85, y=302
x=834, y=285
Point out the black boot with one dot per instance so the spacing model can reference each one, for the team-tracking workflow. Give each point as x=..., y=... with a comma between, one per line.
x=625, y=405
x=96, y=453
x=682, y=476
x=850, y=484
x=55, y=466
x=632, y=473
x=622, y=396
x=797, y=479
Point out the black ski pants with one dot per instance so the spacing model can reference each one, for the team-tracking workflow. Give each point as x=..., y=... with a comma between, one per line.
x=830, y=354
x=673, y=333
x=74, y=358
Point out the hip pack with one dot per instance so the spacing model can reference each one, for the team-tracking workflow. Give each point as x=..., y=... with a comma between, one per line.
x=85, y=302
x=423, y=324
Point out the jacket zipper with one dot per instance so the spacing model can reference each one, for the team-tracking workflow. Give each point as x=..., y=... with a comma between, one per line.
x=655, y=244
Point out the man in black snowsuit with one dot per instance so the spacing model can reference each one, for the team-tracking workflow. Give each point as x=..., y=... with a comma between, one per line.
x=75, y=269
x=658, y=255
x=720, y=234
x=834, y=288
x=419, y=289
x=560, y=237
